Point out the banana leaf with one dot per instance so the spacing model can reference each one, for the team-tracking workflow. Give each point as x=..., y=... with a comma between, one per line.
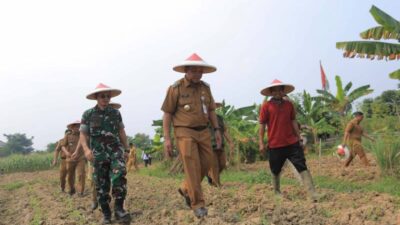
x=370, y=49
x=384, y=19
x=377, y=33
x=395, y=75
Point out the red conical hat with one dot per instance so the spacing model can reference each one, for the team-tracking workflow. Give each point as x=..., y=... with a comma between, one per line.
x=73, y=123
x=115, y=105
x=103, y=88
x=287, y=88
x=195, y=60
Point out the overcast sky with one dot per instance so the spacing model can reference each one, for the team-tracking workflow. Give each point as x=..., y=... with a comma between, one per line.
x=52, y=53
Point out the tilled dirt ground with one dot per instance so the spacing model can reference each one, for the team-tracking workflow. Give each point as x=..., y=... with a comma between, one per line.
x=35, y=198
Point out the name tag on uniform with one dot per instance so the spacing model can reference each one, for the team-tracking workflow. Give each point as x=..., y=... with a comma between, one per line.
x=205, y=111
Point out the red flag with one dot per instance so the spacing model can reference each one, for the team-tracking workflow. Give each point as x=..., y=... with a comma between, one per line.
x=325, y=84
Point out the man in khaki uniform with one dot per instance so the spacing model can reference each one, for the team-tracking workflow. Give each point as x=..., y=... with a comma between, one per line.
x=76, y=164
x=352, y=137
x=132, y=160
x=63, y=163
x=190, y=106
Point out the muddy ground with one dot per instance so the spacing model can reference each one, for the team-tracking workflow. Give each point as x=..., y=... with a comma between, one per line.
x=35, y=198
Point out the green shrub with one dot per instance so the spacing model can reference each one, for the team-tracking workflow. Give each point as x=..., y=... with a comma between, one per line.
x=387, y=152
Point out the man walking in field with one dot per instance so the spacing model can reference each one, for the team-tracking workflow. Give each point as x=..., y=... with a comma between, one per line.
x=75, y=166
x=132, y=159
x=63, y=163
x=90, y=170
x=352, y=137
x=189, y=106
x=213, y=176
x=278, y=115
x=103, y=129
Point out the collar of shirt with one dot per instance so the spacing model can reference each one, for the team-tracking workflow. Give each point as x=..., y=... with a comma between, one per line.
x=277, y=101
x=187, y=83
x=107, y=109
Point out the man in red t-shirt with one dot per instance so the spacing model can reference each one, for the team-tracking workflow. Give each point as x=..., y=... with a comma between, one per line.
x=279, y=116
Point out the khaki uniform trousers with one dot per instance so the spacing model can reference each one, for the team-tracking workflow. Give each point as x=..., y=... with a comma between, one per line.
x=91, y=181
x=219, y=166
x=63, y=173
x=197, y=157
x=132, y=162
x=76, y=169
x=356, y=148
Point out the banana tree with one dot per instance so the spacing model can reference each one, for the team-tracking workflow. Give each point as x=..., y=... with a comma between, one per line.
x=242, y=126
x=389, y=29
x=342, y=102
x=311, y=113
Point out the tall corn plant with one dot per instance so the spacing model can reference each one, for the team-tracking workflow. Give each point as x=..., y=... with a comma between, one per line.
x=389, y=29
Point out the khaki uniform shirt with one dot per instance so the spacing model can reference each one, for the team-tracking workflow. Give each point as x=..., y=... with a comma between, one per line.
x=189, y=104
x=70, y=142
x=132, y=153
x=355, y=130
x=58, y=148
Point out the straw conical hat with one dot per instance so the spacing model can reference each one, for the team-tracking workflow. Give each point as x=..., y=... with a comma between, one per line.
x=195, y=60
x=103, y=88
x=287, y=88
x=115, y=105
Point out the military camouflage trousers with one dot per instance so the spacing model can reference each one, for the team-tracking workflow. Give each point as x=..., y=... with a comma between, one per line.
x=109, y=170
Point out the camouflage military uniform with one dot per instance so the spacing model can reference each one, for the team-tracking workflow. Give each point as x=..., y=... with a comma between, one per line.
x=102, y=127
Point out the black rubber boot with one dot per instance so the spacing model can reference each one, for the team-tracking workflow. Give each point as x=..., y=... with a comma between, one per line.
x=209, y=180
x=106, y=213
x=119, y=212
x=72, y=192
x=200, y=212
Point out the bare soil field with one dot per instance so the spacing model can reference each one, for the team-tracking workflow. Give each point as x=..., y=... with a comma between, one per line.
x=35, y=198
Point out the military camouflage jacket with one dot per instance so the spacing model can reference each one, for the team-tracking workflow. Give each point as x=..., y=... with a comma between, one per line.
x=102, y=126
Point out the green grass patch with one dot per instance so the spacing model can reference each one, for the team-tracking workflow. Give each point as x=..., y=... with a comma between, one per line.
x=12, y=186
x=37, y=211
x=159, y=170
x=388, y=185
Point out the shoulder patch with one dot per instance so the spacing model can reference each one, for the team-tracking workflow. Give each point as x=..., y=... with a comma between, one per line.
x=176, y=84
x=205, y=83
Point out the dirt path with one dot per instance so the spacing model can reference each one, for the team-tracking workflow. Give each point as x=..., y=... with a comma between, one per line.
x=34, y=198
